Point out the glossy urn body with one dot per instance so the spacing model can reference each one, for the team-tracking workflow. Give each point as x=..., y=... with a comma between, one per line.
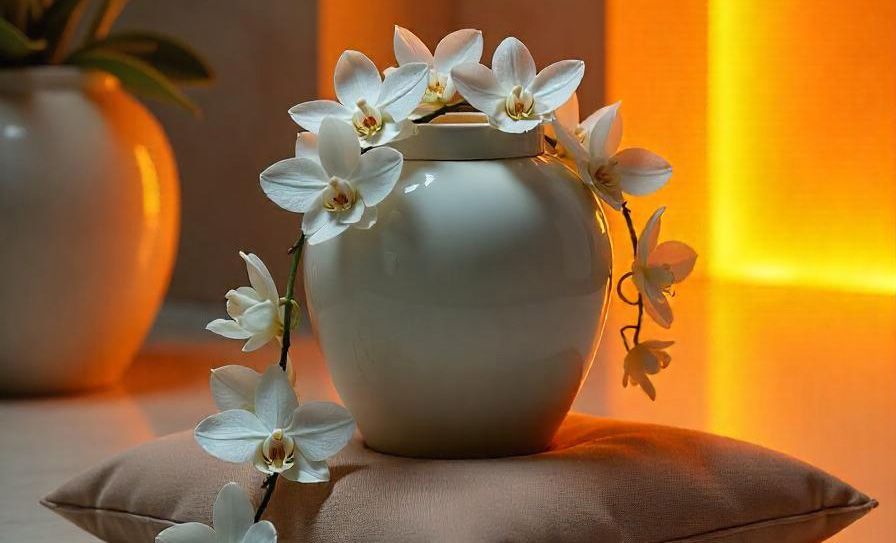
x=464, y=322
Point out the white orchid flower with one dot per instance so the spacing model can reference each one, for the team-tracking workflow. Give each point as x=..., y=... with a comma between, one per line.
x=307, y=147
x=233, y=519
x=610, y=173
x=280, y=436
x=567, y=116
x=454, y=49
x=377, y=109
x=339, y=190
x=514, y=97
x=646, y=358
x=657, y=267
x=233, y=386
x=255, y=312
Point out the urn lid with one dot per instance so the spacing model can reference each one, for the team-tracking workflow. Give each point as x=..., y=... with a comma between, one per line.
x=468, y=136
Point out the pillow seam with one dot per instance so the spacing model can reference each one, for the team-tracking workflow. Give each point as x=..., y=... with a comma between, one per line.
x=696, y=538
x=779, y=521
x=72, y=507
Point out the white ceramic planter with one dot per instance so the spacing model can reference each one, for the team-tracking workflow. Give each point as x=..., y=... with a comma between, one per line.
x=88, y=228
x=464, y=322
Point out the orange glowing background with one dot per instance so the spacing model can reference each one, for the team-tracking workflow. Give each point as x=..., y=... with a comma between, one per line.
x=802, y=110
x=656, y=64
x=781, y=122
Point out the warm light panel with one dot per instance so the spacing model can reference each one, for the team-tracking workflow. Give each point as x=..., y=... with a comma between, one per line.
x=802, y=142
x=780, y=121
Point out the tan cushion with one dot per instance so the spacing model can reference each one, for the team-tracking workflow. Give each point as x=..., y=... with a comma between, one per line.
x=603, y=480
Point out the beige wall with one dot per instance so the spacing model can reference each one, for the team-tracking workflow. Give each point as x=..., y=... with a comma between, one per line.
x=273, y=54
x=265, y=62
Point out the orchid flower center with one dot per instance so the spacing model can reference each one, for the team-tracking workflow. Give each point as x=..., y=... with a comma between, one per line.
x=436, y=88
x=605, y=175
x=650, y=363
x=339, y=196
x=278, y=451
x=367, y=119
x=519, y=104
x=661, y=276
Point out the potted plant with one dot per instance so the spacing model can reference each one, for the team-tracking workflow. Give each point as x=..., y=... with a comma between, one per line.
x=89, y=199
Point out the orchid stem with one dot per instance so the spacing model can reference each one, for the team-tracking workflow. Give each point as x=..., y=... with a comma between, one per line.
x=296, y=252
x=460, y=106
x=633, y=235
x=621, y=294
x=268, y=487
x=290, y=303
x=624, y=337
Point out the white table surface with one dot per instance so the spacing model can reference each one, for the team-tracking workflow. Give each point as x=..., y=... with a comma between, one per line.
x=810, y=373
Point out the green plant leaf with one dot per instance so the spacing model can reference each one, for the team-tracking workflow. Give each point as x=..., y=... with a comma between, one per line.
x=22, y=13
x=14, y=44
x=59, y=24
x=15, y=12
x=136, y=75
x=173, y=58
x=106, y=13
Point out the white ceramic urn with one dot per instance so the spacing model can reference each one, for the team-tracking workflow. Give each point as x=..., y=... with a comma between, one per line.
x=464, y=322
x=89, y=210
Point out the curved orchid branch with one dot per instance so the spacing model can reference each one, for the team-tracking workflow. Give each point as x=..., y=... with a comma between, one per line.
x=289, y=298
x=619, y=291
x=633, y=236
x=289, y=304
